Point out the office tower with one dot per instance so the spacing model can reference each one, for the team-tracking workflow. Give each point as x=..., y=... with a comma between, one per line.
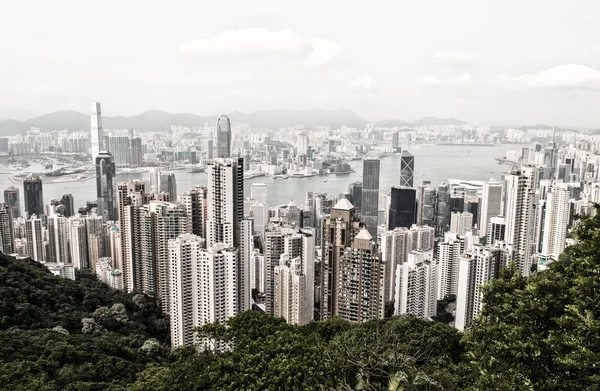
x=370, y=194
x=33, y=196
x=519, y=209
x=225, y=201
x=457, y=203
x=290, y=301
x=476, y=268
x=496, y=230
x=12, y=200
x=120, y=148
x=395, y=141
x=137, y=153
x=491, y=205
x=78, y=242
x=64, y=206
x=472, y=206
x=448, y=258
x=302, y=144
x=426, y=207
x=168, y=185
x=402, y=207
x=460, y=223
x=443, y=209
x=260, y=215
x=258, y=192
x=224, y=137
x=6, y=229
x=355, y=190
x=105, y=174
x=96, y=130
x=407, y=169
x=210, y=149
x=416, y=286
x=556, y=219
x=195, y=203
x=57, y=236
x=34, y=233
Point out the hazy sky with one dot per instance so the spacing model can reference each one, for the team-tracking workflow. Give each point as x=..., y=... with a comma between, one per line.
x=487, y=62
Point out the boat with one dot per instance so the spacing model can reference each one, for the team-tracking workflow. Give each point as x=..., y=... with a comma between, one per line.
x=196, y=169
x=324, y=180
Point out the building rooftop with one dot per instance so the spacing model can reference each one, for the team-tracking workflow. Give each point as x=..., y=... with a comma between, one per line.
x=343, y=204
x=364, y=234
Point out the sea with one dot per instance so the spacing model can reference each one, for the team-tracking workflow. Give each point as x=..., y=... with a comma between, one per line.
x=436, y=163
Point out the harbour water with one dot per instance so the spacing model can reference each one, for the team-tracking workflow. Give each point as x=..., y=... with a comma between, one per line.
x=436, y=164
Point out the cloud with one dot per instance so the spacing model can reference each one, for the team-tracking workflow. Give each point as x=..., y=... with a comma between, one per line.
x=255, y=42
x=429, y=80
x=463, y=79
x=566, y=76
x=363, y=83
x=455, y=58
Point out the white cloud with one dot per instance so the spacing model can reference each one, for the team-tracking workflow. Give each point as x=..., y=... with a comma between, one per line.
x=429, y=80
x=254, y=42
x=363, y=83
x=455, y=58
x=566, y=76
x=463, y=79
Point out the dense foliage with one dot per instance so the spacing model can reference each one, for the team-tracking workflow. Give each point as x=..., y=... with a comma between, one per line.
x=535, y=333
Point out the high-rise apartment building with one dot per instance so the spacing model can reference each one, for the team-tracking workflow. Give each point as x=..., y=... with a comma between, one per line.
x=105, y=174
x=33, y=196
x=556, y=220
x=195, y=203
x=476, y=268
x=6, y=229
x=96, y=130
x=416, y=286
x=302, y=144
x=370, y=194
x=491, y=205
x=120, y=149
x=461, y=222
x=34, y=233
x=13, y=201
x=290, y=301
x=407, y=169
x=496, y=230
x=78, y=242
x=403, y=206
x=519, y=209
x=137, y=152
x=224, y=138
x=448, y=258
x=57, y=236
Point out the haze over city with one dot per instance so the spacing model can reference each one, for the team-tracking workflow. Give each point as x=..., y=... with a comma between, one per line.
x=504, y=63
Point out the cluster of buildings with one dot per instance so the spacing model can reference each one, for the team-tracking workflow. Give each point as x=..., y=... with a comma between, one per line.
x=208, y=253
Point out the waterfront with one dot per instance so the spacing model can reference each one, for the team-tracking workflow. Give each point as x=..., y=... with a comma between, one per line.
x=436, y=164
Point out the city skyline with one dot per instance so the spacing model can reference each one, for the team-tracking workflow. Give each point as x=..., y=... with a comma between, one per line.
x=545, y=68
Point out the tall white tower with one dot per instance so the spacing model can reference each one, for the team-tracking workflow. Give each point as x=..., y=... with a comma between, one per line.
x=97, y=132
x=555, y=222
x=223, y=137
x=491, y=205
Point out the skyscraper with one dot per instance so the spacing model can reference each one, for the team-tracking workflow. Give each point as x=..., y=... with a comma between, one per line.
x=448, y=257
x=402, y=207
x=78, y=242
x=302, y=144
x=370, y=194
x=416, y=286
x=519, y=210
x=105, y=174
x=96, y=130
x=225, y=201
x=496, y=230
x=137, y=154
x=34, y=233
x=407, y=168
x=195, y=203
x=355, y=190
x=291, y=302
x=556, y=219
x=168, y=185
x=13, y=201
x=491, y=205
x=258, y=192
x=33, y=196
x=6, y=229
x=224, y=137
x=57, y=236
x=120, y=149
x=427, y=205
x=460, y=223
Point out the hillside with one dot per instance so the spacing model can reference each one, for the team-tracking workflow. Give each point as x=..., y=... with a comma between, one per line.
x=158, y=120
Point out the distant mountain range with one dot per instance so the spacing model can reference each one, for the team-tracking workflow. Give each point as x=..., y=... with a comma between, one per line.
x=157, y=120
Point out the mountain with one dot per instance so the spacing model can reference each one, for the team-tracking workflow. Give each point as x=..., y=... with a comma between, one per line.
x=157, y=120
x=435, y=121
x=393, y=123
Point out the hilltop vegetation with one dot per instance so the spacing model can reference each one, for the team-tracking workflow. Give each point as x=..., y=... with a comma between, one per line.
x=535, y=333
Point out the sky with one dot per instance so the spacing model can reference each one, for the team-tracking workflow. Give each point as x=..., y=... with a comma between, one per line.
x=487, y=62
